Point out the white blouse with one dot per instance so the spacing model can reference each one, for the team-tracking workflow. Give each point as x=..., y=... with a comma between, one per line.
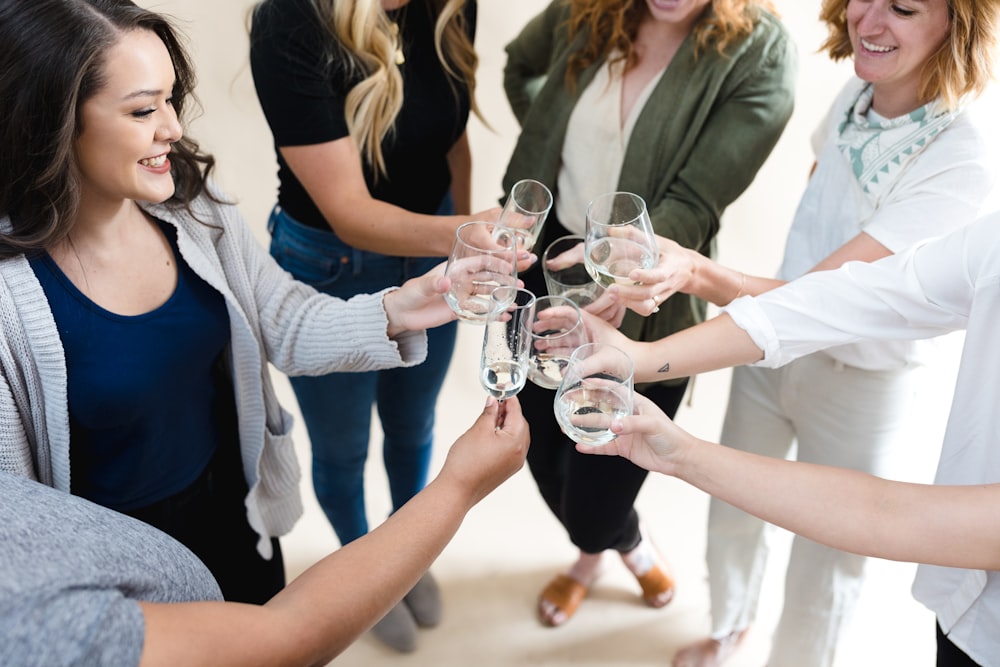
x=596, y=139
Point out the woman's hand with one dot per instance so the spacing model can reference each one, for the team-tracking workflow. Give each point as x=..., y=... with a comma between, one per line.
x=419, y=304
x=492, y=450
x=673, y=273
x=647, y=438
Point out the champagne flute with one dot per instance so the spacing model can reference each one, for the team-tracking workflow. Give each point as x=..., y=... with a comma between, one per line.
x=596, y=390
x=525, y=211
x=483, y=257
x=619, y=238
x=504, y=361
x=556, y=330
x=565, y=272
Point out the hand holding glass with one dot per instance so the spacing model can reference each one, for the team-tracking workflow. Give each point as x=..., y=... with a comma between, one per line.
x=483, y=257
x=525, y=211
x=619, y=238
x=504, y=361
x=595, y=391
x=565, y=272
x=556, y=330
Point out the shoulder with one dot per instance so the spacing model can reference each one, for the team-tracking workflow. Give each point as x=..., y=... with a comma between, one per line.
x=770, y=41
x=287, y=27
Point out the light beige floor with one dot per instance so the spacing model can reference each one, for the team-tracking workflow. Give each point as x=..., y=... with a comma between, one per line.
x=510, y=545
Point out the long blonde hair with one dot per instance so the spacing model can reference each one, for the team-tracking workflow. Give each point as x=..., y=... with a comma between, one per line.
x=612, y=25
x=367, y=38
x=962, y=66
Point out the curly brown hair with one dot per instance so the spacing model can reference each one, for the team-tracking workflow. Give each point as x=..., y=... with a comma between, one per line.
x=962, y=66
x=612, y=25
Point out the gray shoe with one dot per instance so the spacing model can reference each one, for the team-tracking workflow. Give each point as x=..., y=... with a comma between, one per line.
x=424, y=601
x=397, y=629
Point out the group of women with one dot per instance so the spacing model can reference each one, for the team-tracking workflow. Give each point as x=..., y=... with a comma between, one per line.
x=140, y=315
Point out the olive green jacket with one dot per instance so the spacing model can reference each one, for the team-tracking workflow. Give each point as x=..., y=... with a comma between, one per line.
x=699, y=141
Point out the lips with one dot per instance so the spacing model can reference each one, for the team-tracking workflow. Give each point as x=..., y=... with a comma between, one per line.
x=154, y=162
x=876, y=48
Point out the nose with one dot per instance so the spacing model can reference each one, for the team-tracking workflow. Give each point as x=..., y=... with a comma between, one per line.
x=169, y=129
x=871, y=18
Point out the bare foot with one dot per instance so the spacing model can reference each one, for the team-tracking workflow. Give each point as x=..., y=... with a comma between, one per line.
x=709, y=652
x=585, y=571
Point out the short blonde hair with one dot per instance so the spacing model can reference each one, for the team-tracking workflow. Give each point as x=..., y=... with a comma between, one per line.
x=962, y=66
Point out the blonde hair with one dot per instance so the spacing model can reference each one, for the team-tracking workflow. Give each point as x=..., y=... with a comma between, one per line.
x=612, y=25
x=367, y=38
x=963, y=65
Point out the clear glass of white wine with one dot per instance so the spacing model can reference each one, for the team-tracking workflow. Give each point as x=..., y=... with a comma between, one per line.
x=557, y=329
x=618, y=238
x=483, y=257
x=596, y=389
x=503, y=367
x=525, y=210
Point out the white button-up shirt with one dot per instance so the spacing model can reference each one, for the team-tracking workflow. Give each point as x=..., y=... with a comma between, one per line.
x=944, y=285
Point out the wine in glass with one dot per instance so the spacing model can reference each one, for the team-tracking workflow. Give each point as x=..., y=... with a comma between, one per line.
x=525, y=211
x=595, y=391
x=503, y=366
x=556, y=330
x=483, y=257
x=619, y=238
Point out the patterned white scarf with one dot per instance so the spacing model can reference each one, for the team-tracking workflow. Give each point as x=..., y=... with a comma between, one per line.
x=879, y=150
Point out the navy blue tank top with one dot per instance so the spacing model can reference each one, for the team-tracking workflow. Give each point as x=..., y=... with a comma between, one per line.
x=148, y=401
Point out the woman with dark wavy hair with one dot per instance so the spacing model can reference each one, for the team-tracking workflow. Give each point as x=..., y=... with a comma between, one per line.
x=683, y=101
x=138, y=314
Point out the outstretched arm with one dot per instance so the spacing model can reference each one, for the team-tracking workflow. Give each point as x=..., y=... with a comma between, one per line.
x=844, y=509
x=319, y=614
x=711, y=345
x=687, y=271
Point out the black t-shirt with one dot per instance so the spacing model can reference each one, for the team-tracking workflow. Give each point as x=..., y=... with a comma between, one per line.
x=302, y=81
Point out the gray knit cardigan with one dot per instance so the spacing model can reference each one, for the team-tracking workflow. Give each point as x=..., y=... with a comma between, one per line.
x=273, y=318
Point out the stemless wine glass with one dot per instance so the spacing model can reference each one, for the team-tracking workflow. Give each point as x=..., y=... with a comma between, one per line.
x=595, y=391
x=619, y=238
x=571, y=280
x=556, y=330
x=504, y=361
x=483, y=257
x=525, y=211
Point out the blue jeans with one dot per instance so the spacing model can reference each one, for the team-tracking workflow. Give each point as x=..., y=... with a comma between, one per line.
x=337, y=407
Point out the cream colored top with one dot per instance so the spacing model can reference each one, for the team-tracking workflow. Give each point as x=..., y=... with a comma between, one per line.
x=596, y=139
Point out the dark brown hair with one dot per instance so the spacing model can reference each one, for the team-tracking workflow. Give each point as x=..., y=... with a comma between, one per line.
x=52, y=56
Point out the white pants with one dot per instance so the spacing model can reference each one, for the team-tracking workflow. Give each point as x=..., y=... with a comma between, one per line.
x=840, y=416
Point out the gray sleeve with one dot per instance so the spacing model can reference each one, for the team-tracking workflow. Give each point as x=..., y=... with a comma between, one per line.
x=71, y=576
x=70, y=626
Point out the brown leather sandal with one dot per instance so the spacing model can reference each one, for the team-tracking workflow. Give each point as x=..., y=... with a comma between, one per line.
x=564, y=593
x=655, y=583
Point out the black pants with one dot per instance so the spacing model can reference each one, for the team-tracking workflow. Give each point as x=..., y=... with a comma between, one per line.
x=592, y=496
x=210, y=519
x=949, y=655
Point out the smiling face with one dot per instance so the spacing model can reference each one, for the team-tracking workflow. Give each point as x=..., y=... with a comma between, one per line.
x=128, y=125
x=676, y=11
x=892, y=40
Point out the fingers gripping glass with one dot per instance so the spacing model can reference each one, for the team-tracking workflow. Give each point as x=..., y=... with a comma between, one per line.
x=595, y=391
x=483, y=258
x=619, y=238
